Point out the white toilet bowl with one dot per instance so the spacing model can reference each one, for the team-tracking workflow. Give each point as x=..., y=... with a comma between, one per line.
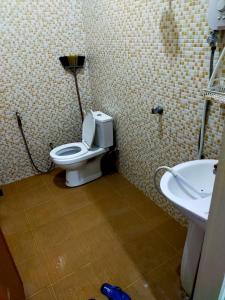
x=82, y=161
x=82, y=165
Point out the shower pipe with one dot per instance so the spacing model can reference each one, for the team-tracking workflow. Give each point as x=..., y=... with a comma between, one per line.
x=212, y=40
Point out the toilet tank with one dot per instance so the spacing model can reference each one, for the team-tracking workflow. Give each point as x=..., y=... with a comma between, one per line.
x=104, y=130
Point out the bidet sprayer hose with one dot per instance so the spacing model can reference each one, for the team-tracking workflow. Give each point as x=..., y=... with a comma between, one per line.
x=20, y=125
x=155, y=177
x=192, y=190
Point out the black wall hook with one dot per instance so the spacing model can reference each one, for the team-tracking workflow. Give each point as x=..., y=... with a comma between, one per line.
x=157, y=110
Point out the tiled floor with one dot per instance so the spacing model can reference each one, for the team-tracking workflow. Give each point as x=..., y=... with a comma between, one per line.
x=67, y=242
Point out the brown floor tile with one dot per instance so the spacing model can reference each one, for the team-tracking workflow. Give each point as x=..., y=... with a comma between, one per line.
x=99, y=189
x=127, y=225
x=22, y=246
x=174, y=233
x=83, y=284
x=36, y=197
x=64, y=258
x=119, y=184
x=141, y=290
x=86, y=218
x=55, y=181
x=17, y=195
x=109, y=251
x=116, y=266
x=19, y=201
x=162, y=283
x=165, y=281
x=78, y=238
x=149, y=251
x=98, y=237
x=11, y=206
x=72, y=201
x=53, y=233
x=45, y=294
x=21, y=185
x=34, y=274
x=14, y=224
x=137, y=201
x=144, y=206
x=81, y=249
x=112, y=206
x=44, y=213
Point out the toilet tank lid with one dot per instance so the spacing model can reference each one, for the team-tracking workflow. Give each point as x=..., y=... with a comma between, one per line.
x=100, y=117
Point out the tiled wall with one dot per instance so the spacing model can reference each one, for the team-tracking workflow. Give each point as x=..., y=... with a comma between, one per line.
x=144, y=53
x=140, y=54
x=33, y=35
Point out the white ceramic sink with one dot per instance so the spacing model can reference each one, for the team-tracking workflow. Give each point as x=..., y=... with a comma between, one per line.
x=189, y=186
x=199, y=174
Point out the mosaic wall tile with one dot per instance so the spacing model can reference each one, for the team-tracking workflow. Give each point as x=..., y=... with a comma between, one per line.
x=140, y=53
x=33, y=35
x=144, y=53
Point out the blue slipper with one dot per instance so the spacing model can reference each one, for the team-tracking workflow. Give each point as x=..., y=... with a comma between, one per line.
x=114, y=292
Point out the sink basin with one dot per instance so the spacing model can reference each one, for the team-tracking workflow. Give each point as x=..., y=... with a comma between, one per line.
x=190, y=186
x=199, y=174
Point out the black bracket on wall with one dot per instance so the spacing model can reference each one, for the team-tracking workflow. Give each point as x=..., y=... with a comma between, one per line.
x=157, y=110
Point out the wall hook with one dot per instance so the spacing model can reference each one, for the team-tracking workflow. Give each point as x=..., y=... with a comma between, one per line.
x=157, y=110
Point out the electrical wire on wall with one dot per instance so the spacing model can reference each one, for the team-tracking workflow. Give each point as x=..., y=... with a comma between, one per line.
x=20, y=125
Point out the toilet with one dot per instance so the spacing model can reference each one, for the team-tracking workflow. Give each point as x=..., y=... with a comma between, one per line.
x=82, y=160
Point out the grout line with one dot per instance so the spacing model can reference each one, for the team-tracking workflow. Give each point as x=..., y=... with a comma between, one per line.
x=61, y=279
x=68, y=275
x=138, y=214
x=131, y=284
x=142, y=277
x=37, y=292
x=38, y=205
x=53, y=292
x=41, y=250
